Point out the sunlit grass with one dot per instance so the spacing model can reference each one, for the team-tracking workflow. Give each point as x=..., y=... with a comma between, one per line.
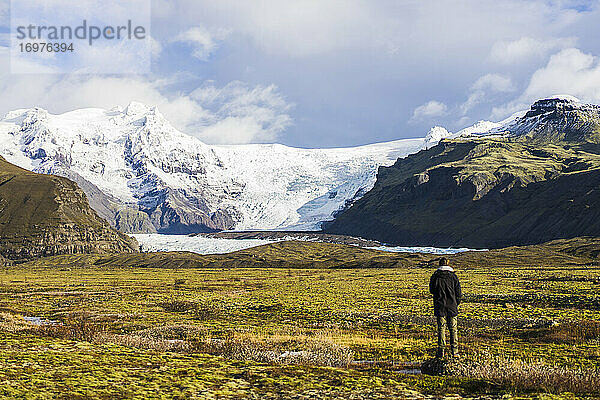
x=280, y=323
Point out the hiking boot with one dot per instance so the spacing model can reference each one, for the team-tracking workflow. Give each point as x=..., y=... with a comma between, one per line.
x=454, y=353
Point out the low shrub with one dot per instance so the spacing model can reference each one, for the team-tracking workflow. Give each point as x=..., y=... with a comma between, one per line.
x=178, y=305
x=569, y=332
x=81, y=329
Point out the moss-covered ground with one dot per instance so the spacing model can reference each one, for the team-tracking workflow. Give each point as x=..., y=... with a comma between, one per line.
x=127, y=332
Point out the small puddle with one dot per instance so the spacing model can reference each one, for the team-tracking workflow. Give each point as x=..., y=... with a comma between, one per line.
x=39, y=321
x=409, y=371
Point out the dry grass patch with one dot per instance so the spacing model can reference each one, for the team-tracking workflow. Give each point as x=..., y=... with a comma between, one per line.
x=294, y=348
x=528, y=376
x=278, y=349
x=570, y=332
x=297, y=349
x=80, y=329
x=13, y=323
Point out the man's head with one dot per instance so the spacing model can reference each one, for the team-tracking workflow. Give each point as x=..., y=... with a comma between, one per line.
x=443, y=261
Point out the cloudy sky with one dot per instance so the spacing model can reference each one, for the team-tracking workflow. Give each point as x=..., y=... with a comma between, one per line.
x=325, y=73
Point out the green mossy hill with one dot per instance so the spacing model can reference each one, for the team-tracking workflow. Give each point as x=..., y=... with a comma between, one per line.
x=288, y=254
x=298, y=254
x=482, y=193
x=579, y=252
x=44, y=215
x=536, y=182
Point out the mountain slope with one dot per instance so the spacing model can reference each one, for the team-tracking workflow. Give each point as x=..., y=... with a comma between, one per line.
x=533, y=180
x=125, y=218
x=170, y=182
x=42, y=215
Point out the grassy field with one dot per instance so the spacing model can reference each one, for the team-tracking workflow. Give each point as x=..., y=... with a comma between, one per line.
x=99, y=330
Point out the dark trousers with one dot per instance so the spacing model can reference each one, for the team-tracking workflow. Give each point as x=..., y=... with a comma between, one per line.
x=452, y=324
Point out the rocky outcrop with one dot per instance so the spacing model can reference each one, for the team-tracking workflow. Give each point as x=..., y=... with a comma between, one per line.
x=44, y=215
x=171, y=212
x=122, y=217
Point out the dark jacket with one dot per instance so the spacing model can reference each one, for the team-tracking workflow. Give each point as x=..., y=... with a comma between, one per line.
x=445, y=288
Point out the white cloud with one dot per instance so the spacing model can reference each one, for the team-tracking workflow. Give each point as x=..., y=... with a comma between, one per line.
x=112, y=58
x=327, y=55
x=242, y=114
x=203, y=42
x=526, y=48
x=473, y=100
x=484, y=86
x=569, y=71
x=234, y=114
x=295, y=28
x=494, y=83
x=156, y=47
x=429, y=110
x=305, y=28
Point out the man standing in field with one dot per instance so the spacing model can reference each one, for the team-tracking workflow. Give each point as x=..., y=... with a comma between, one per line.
x=445, y=288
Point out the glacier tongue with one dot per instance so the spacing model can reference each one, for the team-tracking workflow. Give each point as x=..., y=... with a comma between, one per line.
x=182, y=185
x=291, y=188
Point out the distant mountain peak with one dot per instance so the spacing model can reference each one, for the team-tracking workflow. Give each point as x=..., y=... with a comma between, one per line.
x=436, y=134
x=132, y=157
x=137, y=108
x=553, y=104
x=558, y=118
x=563, y=97
x=35, y=115
x=552, y=119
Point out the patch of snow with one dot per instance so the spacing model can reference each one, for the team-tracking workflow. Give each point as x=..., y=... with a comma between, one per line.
x=480, y=128
x=434, y=135
x=195, y=244
x=566, y=97
x=426, y=250
x=205, y=245
x=39, y=321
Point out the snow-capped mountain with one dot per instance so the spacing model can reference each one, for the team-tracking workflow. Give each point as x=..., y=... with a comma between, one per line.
x=554, y=117
x=143, y=175
x=531, y=179
x=559, y=118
